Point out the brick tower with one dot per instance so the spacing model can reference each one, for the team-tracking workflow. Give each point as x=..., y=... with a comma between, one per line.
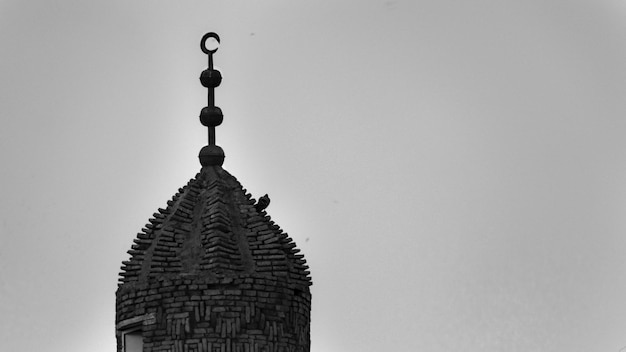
x=212, y=272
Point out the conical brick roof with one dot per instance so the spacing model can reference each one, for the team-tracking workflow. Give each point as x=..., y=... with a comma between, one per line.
x=211, y=229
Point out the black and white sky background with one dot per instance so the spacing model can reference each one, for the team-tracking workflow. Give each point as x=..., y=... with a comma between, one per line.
x=454, y=171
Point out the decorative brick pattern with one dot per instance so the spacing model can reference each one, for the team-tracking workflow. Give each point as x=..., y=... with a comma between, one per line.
x=215, y=274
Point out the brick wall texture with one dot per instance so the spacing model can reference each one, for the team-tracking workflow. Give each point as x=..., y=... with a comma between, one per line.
x=212, y=273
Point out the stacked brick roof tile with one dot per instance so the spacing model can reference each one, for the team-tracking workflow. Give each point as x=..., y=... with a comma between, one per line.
x=212, y=229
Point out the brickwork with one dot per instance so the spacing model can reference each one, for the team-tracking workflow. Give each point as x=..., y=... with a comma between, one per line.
x=212, y=273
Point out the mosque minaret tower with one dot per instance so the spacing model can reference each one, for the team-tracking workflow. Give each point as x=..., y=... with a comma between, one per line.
x=211, y=272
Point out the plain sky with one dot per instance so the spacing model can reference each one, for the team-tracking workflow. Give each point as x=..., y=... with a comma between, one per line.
x=453, y=171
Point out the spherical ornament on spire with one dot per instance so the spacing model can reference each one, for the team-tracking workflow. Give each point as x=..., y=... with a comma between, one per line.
x=210, y=78
x=211, y=116
x=211, y=155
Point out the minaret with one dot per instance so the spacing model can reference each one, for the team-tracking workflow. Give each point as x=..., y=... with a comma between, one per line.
x=211, y=271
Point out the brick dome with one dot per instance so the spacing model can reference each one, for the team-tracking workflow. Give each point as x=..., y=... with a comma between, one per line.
x=212, y=272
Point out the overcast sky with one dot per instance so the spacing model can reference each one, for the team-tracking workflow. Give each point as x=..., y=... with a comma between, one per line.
x=453, y=171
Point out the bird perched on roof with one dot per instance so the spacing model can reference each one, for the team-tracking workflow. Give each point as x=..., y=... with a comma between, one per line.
x=262, y=203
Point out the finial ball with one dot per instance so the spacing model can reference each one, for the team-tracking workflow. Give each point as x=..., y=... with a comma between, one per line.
x=210, y=78
x=211, y=155
x=211, y=116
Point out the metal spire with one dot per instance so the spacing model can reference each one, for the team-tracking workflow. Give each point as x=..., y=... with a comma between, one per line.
x=211, y=115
